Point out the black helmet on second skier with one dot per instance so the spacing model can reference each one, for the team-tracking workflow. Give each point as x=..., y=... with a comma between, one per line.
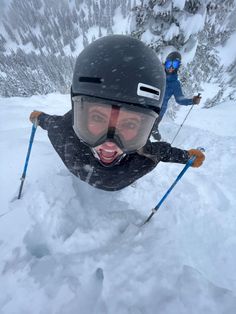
x=117, y=91
x=175, y=55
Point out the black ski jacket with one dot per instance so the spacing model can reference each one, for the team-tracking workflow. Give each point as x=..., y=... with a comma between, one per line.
x=80, y=160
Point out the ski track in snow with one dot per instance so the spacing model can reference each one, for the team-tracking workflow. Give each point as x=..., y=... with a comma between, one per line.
x=69, y=248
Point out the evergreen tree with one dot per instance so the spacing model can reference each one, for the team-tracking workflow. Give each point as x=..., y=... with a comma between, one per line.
x=48, y=26
x=2, y=44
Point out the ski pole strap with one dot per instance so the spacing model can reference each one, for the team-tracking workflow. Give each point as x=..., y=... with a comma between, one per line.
x=155, y=209
x=33, y=130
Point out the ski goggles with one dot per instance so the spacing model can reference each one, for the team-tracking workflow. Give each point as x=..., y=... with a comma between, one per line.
x=175, y=64
x=96, y=121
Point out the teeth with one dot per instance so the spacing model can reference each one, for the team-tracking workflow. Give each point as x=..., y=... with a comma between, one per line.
x=109, y=150
x=111, y=154
x=107, y=158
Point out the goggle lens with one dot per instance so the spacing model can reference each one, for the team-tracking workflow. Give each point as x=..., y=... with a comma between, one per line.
x=175, y=64
x=96, y=121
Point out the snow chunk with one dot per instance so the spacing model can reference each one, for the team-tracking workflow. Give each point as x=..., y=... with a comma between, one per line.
x=178, y=4
x=228, y=52
x=192, y=24
x=3, y=74
x=171, y=32
x=148, y=37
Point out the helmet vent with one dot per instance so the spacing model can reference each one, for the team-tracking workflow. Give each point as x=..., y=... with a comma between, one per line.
x=148, y=91
x=96, y=80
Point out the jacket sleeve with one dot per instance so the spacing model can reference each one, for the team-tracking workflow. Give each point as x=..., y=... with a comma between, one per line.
x=179, y=97
x=58, y=130
x=162, y=151
x=47, y=121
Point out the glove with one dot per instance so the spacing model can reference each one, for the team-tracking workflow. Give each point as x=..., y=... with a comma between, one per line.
x=34, y=116
x=200, y=157
x=196, y=100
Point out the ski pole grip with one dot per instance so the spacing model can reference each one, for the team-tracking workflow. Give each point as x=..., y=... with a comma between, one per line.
x=35, y=122
x=192, y=159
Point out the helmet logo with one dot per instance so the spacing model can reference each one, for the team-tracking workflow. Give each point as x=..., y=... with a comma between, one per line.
x=148, y=91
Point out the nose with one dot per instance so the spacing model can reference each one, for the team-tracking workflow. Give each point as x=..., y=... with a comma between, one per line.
x=114, y=117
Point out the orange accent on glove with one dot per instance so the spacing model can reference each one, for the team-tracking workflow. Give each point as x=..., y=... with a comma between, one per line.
x=34, y=115
x=200, y=157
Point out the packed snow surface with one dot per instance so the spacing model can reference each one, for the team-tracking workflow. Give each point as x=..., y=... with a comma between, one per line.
x=67, y=248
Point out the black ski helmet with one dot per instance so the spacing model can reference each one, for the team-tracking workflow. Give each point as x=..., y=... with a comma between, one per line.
x=175, y=55
x=120, y=68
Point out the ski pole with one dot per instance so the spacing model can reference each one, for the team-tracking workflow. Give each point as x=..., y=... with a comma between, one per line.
x=199, y=94
x=188, y=164
x=33, y=130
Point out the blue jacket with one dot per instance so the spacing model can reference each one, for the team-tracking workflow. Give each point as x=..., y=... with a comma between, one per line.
x=173, y=87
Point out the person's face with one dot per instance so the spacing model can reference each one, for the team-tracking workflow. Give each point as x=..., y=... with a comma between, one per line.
x=172, y=66
x=126, y=123
x=170, y=70
x=111, y=129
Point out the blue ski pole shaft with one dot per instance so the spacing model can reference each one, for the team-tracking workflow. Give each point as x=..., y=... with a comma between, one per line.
x=33, y=130
x=155, y=209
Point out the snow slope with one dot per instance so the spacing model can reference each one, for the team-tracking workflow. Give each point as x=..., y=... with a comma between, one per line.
x=68, y=248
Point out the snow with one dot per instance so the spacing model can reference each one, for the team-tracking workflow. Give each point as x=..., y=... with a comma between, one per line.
x=227, y=53
x=147, y=37
x=164, y=9
x=13, y=46
x=219, y=125
x=3, y=74
x=179, y=4
x=68, y=248
x=192, y=24
x=121, y=24
x=171, y=32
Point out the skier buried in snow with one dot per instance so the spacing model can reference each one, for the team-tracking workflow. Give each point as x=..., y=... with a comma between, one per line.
x=173, y=88
x=116, y=94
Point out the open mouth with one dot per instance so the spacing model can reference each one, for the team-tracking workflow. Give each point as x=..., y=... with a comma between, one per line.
x=107, y=156
x=108, y=152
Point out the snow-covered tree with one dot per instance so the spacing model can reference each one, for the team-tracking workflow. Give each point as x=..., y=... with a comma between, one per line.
x=50, y=29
